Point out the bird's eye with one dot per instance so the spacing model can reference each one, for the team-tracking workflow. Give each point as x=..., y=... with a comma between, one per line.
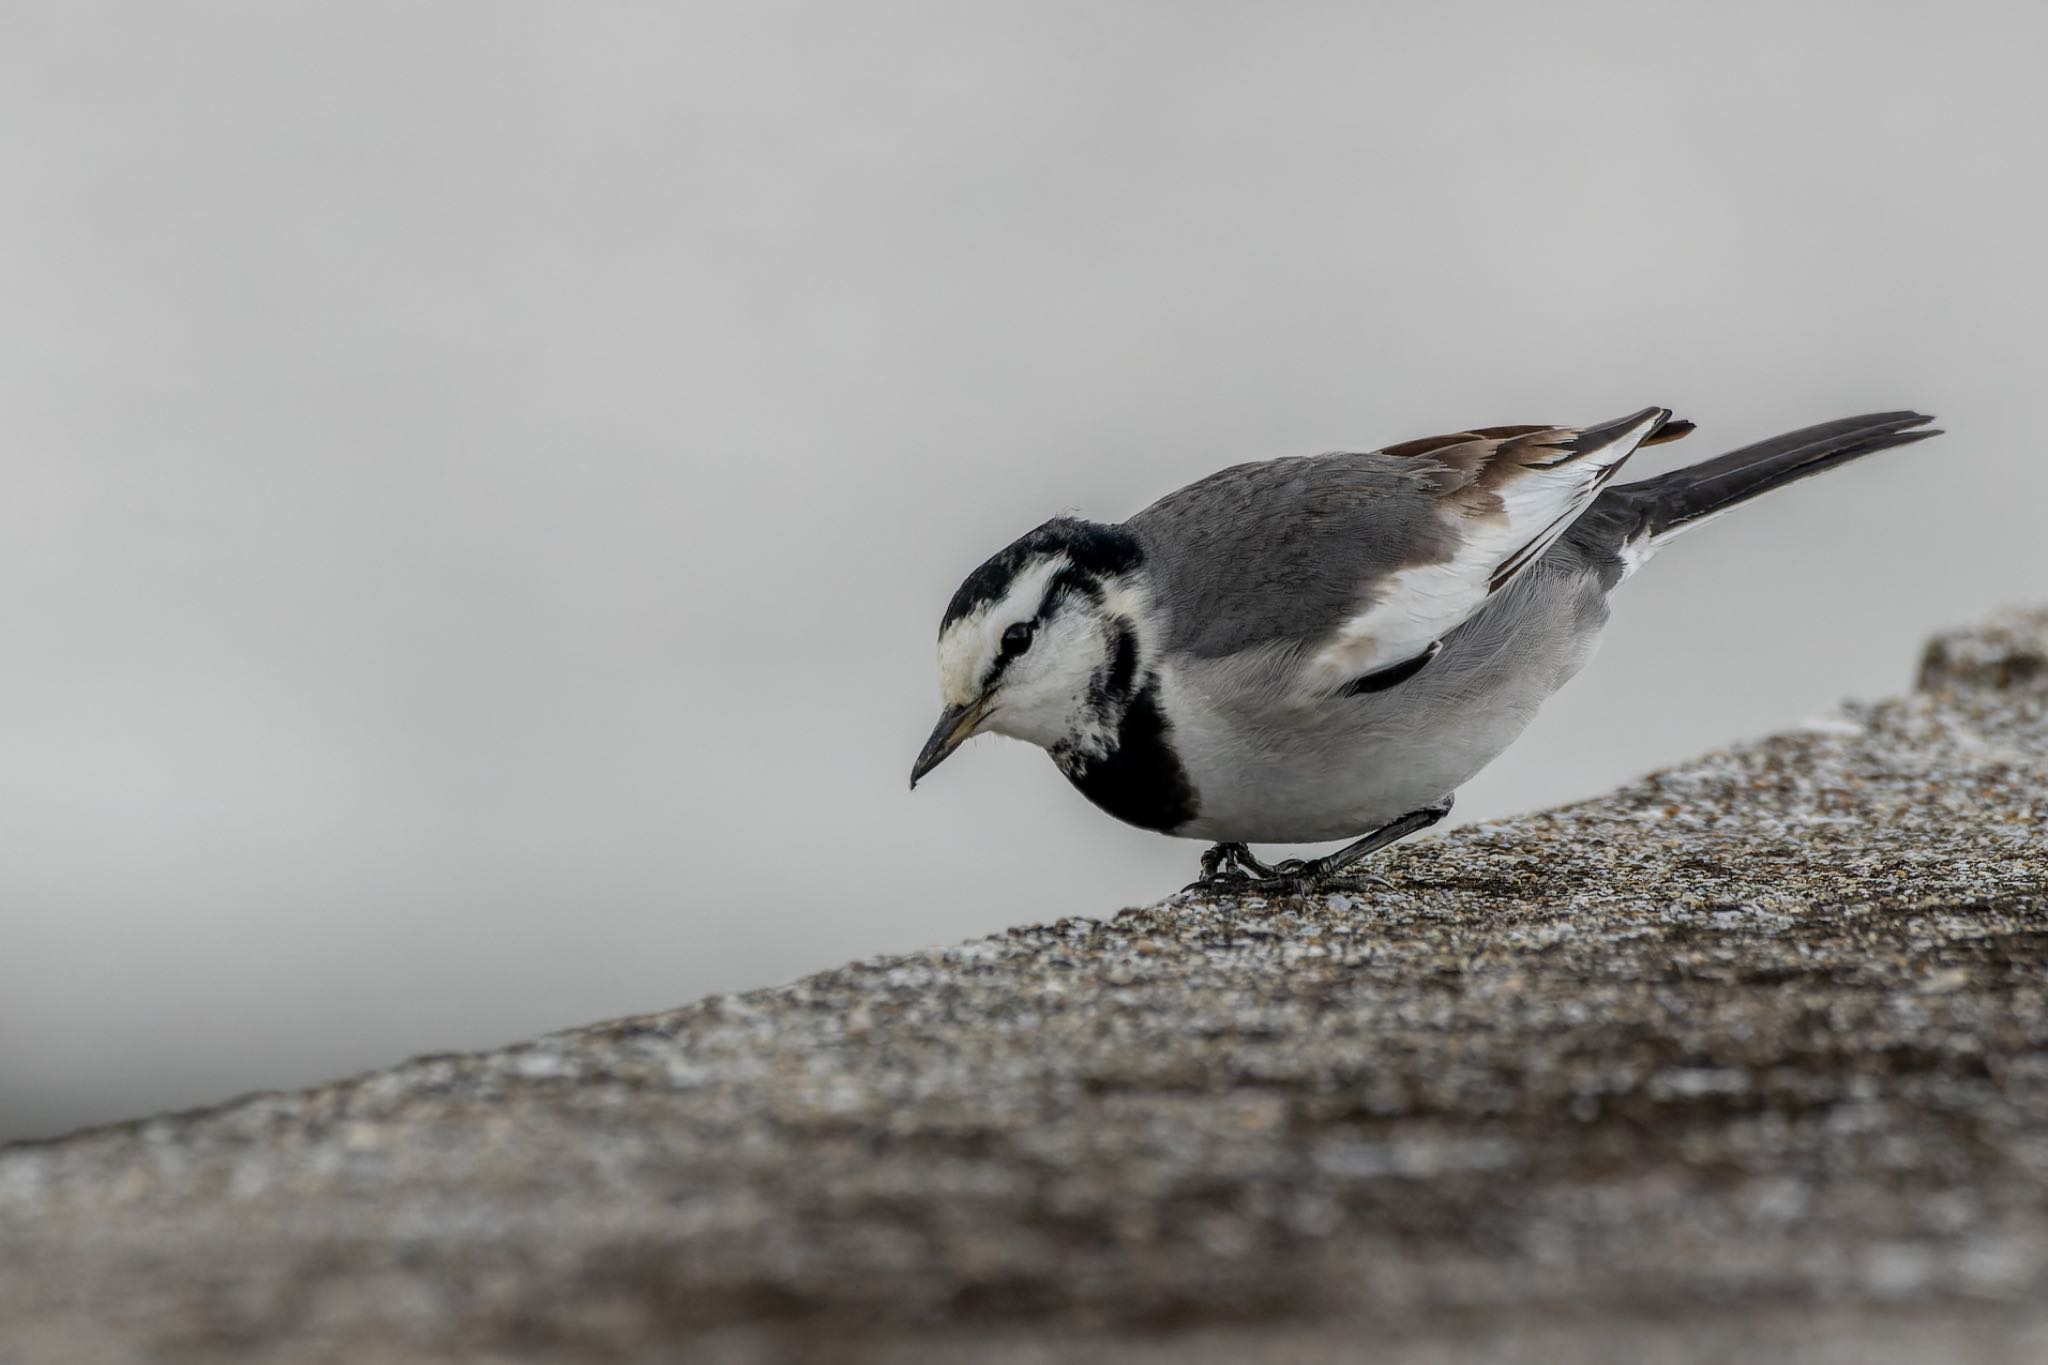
x=1017, y=639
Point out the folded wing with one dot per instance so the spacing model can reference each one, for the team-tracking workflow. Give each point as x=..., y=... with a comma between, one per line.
x=1508, y=495
x=1359, y=564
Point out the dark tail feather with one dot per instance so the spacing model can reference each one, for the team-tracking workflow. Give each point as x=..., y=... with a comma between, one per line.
x=1659, y=506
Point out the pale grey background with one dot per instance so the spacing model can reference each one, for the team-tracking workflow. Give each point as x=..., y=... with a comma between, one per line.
x=481, y=479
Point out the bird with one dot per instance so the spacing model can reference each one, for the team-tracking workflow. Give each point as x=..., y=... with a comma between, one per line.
x=1328, y=646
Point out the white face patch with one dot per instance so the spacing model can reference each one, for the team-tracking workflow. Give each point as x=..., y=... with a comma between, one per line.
x=1045, y=694
x=970, y=644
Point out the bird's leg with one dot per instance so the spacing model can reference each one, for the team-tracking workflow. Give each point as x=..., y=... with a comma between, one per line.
x=1232, y=866
x=1324, y=868
x=1299, y=875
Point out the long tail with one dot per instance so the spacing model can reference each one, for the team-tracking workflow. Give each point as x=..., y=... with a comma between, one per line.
x=1635, y=517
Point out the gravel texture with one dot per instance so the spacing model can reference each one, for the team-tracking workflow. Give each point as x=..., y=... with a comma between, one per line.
x=1748, y=1060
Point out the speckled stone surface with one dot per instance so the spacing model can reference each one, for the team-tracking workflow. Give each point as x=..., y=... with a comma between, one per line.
x=1748, y=1060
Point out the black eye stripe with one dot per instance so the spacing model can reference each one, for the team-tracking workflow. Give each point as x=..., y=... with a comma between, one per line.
x=1068, y=582
x=1007, y=653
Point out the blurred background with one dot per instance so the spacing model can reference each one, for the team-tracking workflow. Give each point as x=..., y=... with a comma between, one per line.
x=481, y=479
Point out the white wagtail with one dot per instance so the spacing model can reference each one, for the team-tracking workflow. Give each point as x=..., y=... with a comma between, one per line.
x=1327, y=646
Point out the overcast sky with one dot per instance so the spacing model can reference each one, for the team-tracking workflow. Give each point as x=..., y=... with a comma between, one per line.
x=481, y=479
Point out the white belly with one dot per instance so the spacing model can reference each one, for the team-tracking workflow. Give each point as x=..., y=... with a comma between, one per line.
x=1269, y=767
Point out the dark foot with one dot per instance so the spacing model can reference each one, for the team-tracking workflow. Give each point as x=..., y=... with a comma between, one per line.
x=1229, y=867
x=1229, y=873
x=1302, y=877
x=1318, y=875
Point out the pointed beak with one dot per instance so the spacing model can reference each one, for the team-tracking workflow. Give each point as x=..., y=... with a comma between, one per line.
x=956, y=724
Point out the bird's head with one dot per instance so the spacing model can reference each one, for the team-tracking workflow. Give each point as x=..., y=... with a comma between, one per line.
x=1042, y=643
